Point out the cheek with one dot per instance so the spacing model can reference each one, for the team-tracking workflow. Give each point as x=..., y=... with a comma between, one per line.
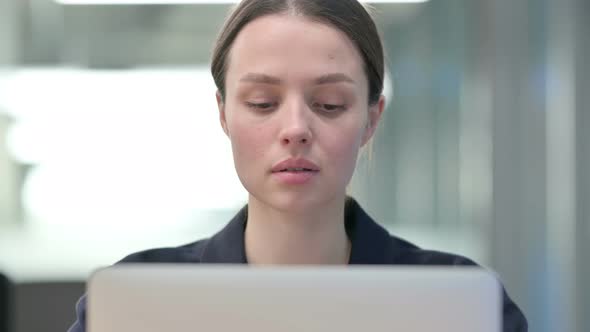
x=345, y=146
x=247, y=142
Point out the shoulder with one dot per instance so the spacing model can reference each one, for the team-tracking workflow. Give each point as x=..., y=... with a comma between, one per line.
x=188, y=253
x=406, y=253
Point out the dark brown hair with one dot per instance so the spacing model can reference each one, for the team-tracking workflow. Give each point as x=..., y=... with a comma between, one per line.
x=348, y=16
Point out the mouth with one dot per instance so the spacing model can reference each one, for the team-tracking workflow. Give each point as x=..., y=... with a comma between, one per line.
x=295, y=165
x=295, y=175
x=295, y=170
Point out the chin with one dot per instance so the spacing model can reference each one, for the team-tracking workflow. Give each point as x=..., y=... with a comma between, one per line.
x=295, y=202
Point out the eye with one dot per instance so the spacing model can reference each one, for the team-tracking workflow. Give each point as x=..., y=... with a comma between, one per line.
x=265, y=106
x=329, y=108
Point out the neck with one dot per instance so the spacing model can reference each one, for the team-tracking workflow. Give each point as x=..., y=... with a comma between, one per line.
x=284, y=237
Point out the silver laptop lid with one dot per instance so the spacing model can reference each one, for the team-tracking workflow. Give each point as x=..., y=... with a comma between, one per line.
x=152, y=297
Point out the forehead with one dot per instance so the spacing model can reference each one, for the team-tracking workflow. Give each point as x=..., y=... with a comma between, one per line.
x=293, y=47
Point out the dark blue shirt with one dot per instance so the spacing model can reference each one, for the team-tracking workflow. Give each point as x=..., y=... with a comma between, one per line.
x=371, y=244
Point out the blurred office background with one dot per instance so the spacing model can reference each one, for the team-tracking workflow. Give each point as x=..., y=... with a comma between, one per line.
x=109, y=144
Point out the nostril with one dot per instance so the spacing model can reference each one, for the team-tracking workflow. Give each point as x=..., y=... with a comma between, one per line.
x=302, y=140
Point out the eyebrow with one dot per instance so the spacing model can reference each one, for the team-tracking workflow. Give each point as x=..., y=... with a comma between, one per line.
x=333, y=78
x=260, y=78
x=324, y=79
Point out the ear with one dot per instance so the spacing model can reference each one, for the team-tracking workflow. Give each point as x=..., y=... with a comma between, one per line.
x=375, y=112
x=221, y=108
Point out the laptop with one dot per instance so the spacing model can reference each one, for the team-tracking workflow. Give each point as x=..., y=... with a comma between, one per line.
x=230, y=298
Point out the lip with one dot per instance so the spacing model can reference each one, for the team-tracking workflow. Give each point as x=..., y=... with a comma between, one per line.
x=295, y=163
x=295, y=178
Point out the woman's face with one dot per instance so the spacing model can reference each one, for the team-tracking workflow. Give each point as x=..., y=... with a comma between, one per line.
x=295, y=89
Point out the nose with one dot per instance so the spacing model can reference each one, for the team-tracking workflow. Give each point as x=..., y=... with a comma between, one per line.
x=296, y=129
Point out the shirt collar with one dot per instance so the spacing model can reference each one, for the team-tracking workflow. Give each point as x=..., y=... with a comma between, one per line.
x=370, y=241
x=227, y=246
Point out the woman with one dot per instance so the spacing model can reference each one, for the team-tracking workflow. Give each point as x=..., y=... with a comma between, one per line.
x=299, y=93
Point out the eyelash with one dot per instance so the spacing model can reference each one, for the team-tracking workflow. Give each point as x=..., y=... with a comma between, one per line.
x=331, y=108
x=328, y=108
x=260, y=106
